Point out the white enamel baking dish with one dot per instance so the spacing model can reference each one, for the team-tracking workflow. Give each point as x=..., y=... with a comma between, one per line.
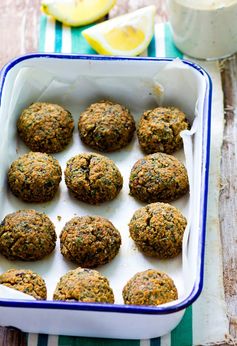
x=139, y=83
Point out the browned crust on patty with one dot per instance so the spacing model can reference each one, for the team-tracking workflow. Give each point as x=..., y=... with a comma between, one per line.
x=27, y=235
x=159, y=130
x=89, y=241
x=45, y=127
x=158, y=177
x=158, y=229
x=84, y=285
x=150, y=287
x=34, y=177
x=25, y=281
x=106, y=126
x=93, y=178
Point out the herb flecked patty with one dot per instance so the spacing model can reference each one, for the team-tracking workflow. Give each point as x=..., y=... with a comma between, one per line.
x=158, y=177
x=34, y=177
x=45, y=127
x=25, y=281
x=106, y=126
x=84, y=285
x=159, y=130
x=157, y=229
x=93, y=178
x=150, y=287
x=89, y=241
x=27, y=235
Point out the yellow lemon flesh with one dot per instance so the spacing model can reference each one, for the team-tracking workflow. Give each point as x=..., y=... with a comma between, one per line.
x=127, y=35
x=124, y=39
x=77, y=12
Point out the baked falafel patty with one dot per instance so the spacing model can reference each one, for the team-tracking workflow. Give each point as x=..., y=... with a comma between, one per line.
x=45, y=127
x=25, y=281
x=84, y=285
x=89, y=241
x=34, y=177
x=158, y=177
x=157, y=229
x=159, y=130
x=27, y=235
x=106, y=126
x=150, y=287
x=93, y=178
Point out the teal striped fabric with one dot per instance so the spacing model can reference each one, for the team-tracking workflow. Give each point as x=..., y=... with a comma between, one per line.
x=55, y=37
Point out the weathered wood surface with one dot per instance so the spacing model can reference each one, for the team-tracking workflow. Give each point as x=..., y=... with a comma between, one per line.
x=228, y=196
x=12, y=337
x=124, y=6
x=18, y=28
x=19, y=20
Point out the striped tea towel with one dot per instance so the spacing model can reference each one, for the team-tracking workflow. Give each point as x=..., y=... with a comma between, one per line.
x=206, y=321
x=59, y=38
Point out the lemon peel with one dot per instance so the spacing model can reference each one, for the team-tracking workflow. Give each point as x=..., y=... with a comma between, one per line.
x=77, y=12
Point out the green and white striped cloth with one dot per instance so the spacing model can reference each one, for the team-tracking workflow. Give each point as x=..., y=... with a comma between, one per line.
x=59, y=38
x=206, y=321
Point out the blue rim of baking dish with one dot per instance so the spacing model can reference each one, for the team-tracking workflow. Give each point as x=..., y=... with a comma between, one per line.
x=197, y=288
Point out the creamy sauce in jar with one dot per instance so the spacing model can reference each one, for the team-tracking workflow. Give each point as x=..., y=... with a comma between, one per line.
x=204, y=29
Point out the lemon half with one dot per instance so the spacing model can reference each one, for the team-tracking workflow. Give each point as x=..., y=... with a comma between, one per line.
x=77, y=12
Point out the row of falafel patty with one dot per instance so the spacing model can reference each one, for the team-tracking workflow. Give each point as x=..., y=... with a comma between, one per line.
x=105, y=126
x=89, y=241
x=94, y=179
x=150, y=287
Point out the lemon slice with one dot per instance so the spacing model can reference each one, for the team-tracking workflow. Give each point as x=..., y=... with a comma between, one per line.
x=128, y=35
x=77, y=12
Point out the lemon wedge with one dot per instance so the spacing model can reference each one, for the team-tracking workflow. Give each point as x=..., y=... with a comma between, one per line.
x=127, y=35
x=77, y=12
